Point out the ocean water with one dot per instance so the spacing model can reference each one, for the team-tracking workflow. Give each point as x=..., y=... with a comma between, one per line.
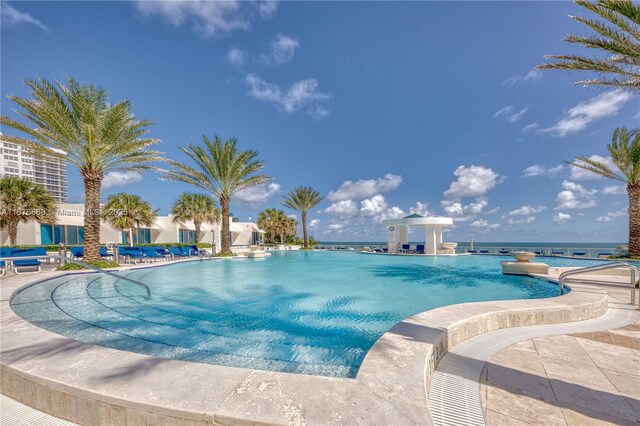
x=303, y=312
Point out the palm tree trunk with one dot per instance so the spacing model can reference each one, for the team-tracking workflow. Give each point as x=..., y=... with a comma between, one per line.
x=224, y=232
x=92, y=184
x=304, y=230
x=197, y=225
x=12, y=228
x=634, y=220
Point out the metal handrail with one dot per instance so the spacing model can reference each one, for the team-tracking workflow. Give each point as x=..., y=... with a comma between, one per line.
x=86, y=265
x=616, y=265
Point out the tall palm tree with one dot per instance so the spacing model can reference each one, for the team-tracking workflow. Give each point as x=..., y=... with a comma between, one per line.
x=617, y=37
x=95, y=136
x=23, y=201
x=198, y=208
x=221, y=169
x=128, y=212
x=302, y=199
x=625, y=153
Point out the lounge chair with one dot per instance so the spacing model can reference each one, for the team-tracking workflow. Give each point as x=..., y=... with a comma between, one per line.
x=104, y=254
x=579, y=253
x=557, y=252
x=406, y=248
x=538, y=252
x=176, y=252
x=28, y=263
x=484, y=251
x=195, y=251
x=133, y=253
x=504, y=251
x=3, y=267
x=77, y=252
x=604, y=255
x=163, y=252
x=472, y=251
x=419, y=249
x=151, y=253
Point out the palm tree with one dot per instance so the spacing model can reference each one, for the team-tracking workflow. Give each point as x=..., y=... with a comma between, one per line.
x=276, y=223
x=198, y=208
x=128, y=212
x=302, y=199
x=617, y=36
x=23, y=201
x=95, y=136
x=221, y=169
x=625, y=153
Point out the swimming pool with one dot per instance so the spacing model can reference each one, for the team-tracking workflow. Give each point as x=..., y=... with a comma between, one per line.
x=303, y=312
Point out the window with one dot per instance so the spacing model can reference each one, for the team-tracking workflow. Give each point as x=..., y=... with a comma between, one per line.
x=55, y=234
x=187, y=236
x=143, y=236
x=46, y=234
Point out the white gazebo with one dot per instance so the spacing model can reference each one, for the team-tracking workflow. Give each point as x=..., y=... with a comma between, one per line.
x=399, y=233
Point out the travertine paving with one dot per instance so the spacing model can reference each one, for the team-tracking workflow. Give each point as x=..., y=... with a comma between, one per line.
x=577, y=379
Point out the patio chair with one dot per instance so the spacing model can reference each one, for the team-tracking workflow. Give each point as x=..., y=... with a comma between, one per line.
x=557, y=252
x=579, y=253
x=406, y=248
x=604, y=255
x=163, y=252
x=472, y=251
x=150, y=253
x=176, y=252
x=197, y=251
x=419, y=249
x=503, y=251
x=28, y=263
x=484, y=251
x=77, y=252
x=134, y=254
x=104, y=254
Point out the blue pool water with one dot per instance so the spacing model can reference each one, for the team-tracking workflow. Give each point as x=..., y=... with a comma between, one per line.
x=305, y=312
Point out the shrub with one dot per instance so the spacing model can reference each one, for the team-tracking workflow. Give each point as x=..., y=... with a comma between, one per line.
x=69, y=266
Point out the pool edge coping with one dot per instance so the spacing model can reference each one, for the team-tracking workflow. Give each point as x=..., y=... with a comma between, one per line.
x=392, y=382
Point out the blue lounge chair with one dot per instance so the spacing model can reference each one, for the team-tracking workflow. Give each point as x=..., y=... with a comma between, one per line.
x=150, y=253
x=557, y=252
x=605, y=254
x=472, y=251
x=504, y=252
x=194, y=250
x=406, y=248
x=579, y=253
x=131, y=253
x=3, y=267
x=28, y=263
x=484, y=251
x=77, y=252
x=163, y=251
x=176, y=252
x=538, y=252
x=104, y=254
x=420, y=249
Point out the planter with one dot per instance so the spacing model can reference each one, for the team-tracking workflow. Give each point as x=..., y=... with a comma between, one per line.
x=523, y=256
x=449, y=246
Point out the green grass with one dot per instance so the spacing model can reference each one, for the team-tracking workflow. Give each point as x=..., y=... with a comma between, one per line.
x=98, y=264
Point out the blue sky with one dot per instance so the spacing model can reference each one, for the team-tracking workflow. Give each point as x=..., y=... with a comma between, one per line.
x=385, y=108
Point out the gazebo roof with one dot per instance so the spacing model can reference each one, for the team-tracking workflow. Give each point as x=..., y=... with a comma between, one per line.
x=417, y=220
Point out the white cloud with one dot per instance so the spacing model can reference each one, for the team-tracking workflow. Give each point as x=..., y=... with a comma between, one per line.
x=521, y=221
x=578, y=173
x=516, y=79
x=282, y=50
x=492, y=211
x=12, y=17
x=345, y=208
x=575, y=196
x=376, y=207
x=464, y=212
x=614, y=190
x=236, y=57
x=526, y=210
x=420, y=208
x=302, y=96
x=580, y=116
x=562, y=218
x=335, y=228
x=113, y=179
x=541, y=170
x=472, y=181
x=364, y=188
x=530, y=126
x=508, y=113
x=615, y=215
x=313, y=224
x=482, y=224
x=257, y=195
x=208, y=18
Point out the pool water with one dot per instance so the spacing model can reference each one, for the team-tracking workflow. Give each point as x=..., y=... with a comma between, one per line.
x=303, y=312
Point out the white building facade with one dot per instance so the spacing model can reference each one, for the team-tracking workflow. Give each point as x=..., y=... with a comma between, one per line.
x=46, y=170
x=69, y=229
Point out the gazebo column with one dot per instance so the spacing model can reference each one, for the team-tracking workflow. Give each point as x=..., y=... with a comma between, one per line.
x=392, y=240
x=429, y=239
x=438, y=237
x=403, y=238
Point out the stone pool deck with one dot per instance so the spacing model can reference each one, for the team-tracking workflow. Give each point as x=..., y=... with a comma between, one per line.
x=90, y=384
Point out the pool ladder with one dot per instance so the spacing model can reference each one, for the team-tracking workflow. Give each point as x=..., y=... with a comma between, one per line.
x=634, y=273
